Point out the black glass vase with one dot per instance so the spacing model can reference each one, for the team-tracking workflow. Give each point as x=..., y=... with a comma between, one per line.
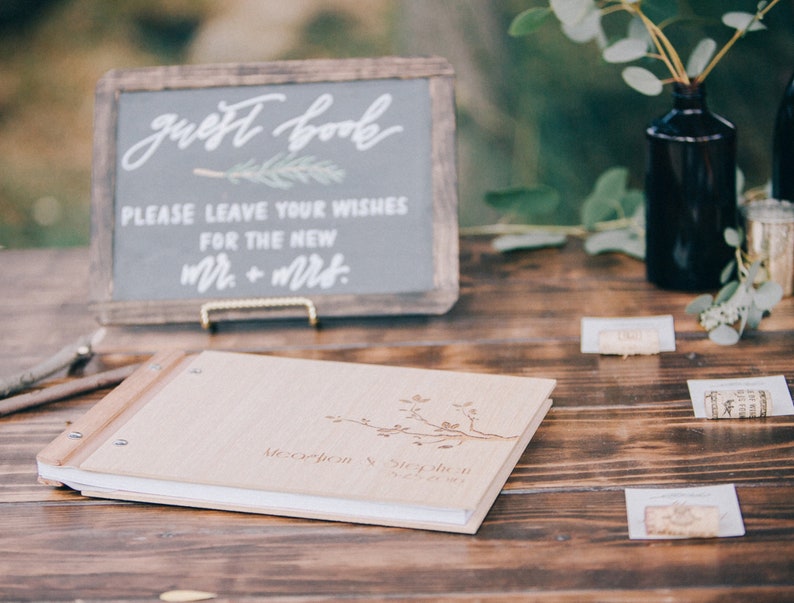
x=783, y=147
x=690, y=193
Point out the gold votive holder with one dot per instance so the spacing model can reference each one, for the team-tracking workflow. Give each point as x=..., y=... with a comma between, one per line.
x=769, y=224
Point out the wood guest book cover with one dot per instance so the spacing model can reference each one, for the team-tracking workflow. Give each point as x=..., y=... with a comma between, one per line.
x=317, y=439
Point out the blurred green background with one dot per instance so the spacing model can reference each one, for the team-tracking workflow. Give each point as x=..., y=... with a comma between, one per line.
x=530, y=111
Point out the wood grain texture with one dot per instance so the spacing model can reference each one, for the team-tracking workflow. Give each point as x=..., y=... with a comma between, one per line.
x=557, y=533
x=561, y=541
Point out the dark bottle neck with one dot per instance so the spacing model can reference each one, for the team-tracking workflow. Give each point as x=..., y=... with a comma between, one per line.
x=689, y=97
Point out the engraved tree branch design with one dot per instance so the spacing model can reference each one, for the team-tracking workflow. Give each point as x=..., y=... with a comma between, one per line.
x=446, y=434
x=281, y=171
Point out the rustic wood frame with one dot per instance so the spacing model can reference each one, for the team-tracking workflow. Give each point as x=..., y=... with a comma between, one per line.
x=440, y=76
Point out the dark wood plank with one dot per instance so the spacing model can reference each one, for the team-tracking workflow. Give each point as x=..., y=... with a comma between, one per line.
x=505, y=299
x=543, y=542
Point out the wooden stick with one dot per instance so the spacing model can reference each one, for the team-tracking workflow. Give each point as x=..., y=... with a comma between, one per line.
x=79, y=351
x=66, y=390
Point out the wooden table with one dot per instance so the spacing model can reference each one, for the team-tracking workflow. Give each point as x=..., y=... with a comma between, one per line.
x=557, y=532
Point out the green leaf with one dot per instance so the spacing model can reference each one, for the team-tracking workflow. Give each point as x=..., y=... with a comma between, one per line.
x=733, y=237
x=633, y=202
x=612, y=182
x=701, y=56
x=742, y=21
x=625, y=50
x=528, y=21
x=586, y=30
x=754, y=316
x=700, y=304
x=636, y=30
x=728, y=271
x=529, y=240
x=724, y=335
x=571, y=12
x=642, y=81
x=621, y=240
x=767, y=295
x=726, y=292
x=604, y=200
x=752, y=272
x=527, y=204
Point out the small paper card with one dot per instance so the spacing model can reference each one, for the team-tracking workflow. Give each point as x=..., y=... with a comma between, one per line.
x=628, y=336
x=741, y=398
x=675, y=513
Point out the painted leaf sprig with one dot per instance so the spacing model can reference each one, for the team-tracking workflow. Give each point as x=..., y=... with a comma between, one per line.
x=282, y=171
x=581, y=22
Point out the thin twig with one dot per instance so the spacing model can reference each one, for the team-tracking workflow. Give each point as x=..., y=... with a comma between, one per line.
x=76, y=352
x=66, y=390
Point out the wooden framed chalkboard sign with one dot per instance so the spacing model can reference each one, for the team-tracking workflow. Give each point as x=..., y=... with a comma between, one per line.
x=237, y=189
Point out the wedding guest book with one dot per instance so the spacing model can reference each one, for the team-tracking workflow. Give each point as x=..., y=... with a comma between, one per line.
x=329, y=440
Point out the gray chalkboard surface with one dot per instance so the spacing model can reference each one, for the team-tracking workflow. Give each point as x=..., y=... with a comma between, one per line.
x=224, y=185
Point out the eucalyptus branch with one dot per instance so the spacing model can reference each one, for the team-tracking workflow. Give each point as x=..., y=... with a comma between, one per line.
x=668, y=54
x=634, y=47
x=742, y=302
x=503, y=228
x=737, y=35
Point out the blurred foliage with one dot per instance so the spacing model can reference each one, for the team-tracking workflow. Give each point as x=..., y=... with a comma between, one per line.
x=52, y=52
x=559, y=116
x=576, y=117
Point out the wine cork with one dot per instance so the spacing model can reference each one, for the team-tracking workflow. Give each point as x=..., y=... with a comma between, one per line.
x=628, y=342
x=693, y=521
x=738, y=404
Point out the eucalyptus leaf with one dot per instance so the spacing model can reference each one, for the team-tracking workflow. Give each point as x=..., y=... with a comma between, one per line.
x=528, y=204
x=700, y=304
x=588, y=29
x=612, y=182
x=625, y=51
x=726, y=292
x=529, y=240
x=529, y=21
x=571, y=12
x=636, y=30
x=621, y=240
x=767, y=295
x=633, y=203
x=742, y=21
x=724, y=335
x=643, y=81
x=727, y=272
x=604, y=200
x=754, y=316
x=752, y=272
x=700, y=57
x=733, y=237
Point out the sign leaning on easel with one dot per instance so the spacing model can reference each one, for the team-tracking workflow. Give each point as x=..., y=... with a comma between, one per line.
x=261, y=190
